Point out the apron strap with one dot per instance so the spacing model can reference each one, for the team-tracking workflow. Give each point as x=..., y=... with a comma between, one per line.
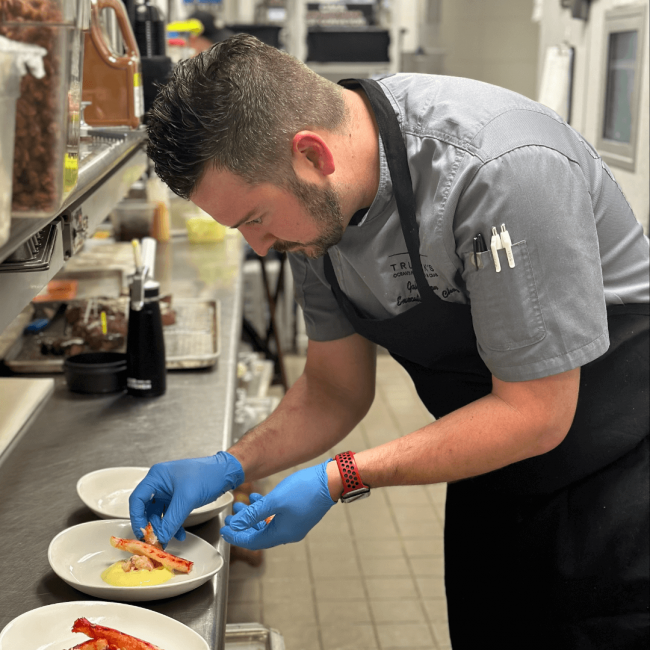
x=400, y=174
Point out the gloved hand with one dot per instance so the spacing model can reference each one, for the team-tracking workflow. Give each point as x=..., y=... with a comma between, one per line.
x=298, y=503
x=177, y=487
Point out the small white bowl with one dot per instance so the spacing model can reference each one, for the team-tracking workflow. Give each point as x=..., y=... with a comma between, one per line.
x=106, y=492
x=80, y=554
x=49, y=627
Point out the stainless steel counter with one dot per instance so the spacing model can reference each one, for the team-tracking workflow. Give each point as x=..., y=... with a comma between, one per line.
x=76, y=434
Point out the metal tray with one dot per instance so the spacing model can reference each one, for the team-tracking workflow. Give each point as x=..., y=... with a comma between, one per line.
x=252, y=636
x=192, y=342
x=101, y=269
x=107, y=283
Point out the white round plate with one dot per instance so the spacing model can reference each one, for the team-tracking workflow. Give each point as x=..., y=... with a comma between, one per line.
x=106, y=492
x=79, y=554
x=49, y=627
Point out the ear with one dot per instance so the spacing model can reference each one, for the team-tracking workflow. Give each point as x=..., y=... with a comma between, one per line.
x=310, y=152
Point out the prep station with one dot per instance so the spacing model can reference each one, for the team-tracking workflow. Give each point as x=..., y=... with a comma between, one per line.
x=75, y=434
x=51, y=437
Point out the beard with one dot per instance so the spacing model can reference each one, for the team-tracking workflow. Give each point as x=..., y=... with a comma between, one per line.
x=324, y=206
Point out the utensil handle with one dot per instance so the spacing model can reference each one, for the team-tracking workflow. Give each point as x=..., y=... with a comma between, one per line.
x=125, y=28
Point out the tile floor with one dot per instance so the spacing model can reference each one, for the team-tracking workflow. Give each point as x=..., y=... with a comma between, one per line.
x=370, y=575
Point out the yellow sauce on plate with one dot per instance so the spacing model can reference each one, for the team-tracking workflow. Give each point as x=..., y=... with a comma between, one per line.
x=117, y=578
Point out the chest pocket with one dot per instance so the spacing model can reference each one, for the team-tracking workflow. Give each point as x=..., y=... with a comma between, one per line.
x=505, y=306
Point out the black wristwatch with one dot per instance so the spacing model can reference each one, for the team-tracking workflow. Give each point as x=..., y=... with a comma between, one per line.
x=353, y=487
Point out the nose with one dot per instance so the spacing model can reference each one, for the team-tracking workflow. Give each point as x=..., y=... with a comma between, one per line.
x=261, y=244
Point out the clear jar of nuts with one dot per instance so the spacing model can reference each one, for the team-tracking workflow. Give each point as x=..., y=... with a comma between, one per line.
x=46, y=143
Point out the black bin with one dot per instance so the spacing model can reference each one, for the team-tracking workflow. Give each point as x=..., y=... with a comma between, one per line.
x=329, y=45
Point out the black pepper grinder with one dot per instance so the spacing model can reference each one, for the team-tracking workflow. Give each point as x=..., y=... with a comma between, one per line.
x=145, y=345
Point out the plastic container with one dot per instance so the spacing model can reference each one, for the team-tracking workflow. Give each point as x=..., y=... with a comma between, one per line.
x=9, y=92
x=178, y=48
x=158, y=194
x=204, y=230
x=95, y=372
x=46, y=147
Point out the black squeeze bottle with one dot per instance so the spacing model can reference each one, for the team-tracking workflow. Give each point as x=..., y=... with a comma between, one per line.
x=145, y=346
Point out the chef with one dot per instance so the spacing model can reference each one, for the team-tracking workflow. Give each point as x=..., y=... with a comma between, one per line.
x=480, y=240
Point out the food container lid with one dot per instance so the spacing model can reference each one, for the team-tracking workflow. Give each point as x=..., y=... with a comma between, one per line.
x=15, y=60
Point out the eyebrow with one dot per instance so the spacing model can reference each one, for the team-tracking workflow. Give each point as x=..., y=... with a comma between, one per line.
x=244, y=220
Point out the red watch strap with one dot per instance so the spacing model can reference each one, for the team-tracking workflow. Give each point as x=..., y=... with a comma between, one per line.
x=349, y=472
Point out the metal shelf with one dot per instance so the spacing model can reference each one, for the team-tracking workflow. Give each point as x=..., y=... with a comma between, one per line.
x=109, y=165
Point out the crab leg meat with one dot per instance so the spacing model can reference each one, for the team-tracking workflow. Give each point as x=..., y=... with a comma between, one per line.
x=150, y=536
x=139, y=563
x=92, y=644
x=169, y=561
x=114, y=638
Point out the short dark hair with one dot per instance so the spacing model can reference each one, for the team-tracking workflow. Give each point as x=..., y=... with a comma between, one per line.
x=237, y=107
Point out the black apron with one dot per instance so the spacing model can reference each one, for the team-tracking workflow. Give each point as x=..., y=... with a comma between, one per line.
x=550, y=552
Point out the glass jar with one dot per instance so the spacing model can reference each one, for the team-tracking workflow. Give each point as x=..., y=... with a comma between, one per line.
x=46, y=142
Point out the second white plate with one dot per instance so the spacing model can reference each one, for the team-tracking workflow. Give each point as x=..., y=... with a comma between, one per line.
x=79, y=554
x=106, y=492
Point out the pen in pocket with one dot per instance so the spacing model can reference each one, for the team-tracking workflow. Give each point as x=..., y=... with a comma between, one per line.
x=496, y=246
x=479, y=247
x=506, y=242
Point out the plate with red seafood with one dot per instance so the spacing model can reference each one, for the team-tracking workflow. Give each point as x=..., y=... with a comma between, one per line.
x=106, y=492
x=103, y=559
x=51, y=628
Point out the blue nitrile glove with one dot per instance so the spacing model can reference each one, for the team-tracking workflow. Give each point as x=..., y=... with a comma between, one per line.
x=298, y=503
x=177, y=487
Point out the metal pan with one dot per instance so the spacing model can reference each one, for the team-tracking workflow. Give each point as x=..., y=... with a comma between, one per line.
x=192, y=342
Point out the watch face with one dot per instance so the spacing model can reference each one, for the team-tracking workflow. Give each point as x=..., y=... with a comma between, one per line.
x=355, y=495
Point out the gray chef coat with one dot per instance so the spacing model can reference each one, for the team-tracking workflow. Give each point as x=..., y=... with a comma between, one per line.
x=482, y=156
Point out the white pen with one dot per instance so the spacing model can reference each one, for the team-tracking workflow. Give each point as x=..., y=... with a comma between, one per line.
x=495, y=245
x=507, y=245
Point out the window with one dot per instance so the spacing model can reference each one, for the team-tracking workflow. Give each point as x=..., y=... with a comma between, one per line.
x=621, y=86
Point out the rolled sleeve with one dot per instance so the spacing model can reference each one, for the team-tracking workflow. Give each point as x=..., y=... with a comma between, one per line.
x=547, y=314
x=324, y=320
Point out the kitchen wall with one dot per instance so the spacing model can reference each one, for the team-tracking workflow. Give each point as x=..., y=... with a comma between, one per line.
x=494, y=41
x=588, y=37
